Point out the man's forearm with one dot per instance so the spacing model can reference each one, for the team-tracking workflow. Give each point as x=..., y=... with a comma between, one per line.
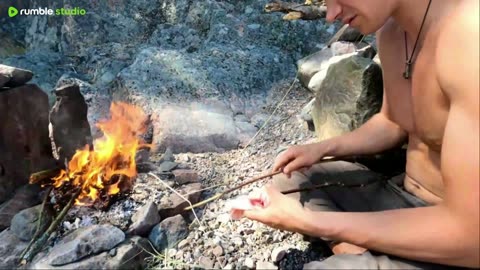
x=376, y=135
x=430, y=234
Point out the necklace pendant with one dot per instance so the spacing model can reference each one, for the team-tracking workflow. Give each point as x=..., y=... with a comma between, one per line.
x=408, y=70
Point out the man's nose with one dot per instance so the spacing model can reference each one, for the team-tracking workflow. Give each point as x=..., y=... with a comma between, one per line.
x=333, y=10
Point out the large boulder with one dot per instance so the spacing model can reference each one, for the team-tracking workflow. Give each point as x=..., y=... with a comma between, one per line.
x=350, y=94
x=24, y=143
x=69, y=128
x=201, y=129
x=25, y=223
x=12, y=76
x=130, y=254
x=84, y=242
x=319, y=62
x=25, y=197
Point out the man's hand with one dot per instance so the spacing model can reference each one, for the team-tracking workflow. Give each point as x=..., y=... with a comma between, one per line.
x=276, y=210
x=300, y=156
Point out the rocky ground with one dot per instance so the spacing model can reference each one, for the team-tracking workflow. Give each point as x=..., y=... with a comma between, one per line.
x=220, y=242
x=217, y=241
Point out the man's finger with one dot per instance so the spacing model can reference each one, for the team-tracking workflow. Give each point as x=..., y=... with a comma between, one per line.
x=293, y=166
x=282, y=160
x=255, y=214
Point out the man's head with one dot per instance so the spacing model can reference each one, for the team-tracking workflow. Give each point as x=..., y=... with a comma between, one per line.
x=367, y=16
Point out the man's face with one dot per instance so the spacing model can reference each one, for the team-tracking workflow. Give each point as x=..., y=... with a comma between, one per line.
x=367, y=16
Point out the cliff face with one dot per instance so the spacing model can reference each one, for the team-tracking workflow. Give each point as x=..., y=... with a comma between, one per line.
x=220, y=59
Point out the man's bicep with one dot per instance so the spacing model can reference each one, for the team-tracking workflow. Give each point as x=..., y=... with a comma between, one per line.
x=460, y=160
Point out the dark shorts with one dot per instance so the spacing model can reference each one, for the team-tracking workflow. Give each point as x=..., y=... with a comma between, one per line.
x=364, y=191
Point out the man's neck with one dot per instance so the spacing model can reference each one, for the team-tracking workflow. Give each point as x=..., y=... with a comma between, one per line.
x=410, y=13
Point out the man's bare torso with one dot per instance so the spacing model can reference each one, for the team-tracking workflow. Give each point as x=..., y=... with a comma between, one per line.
x=418, y=105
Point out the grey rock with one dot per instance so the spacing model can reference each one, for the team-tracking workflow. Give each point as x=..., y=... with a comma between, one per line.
x=306, y=115
x=144, y=219
x=17, y=76
x=183, y=177
x=84, y=242
x=93, y=262
x=168, y=155
x=25, y=197
x=97, y=100
x=69, y=127
x=131, y=254
x=217, y=251
x=206, y=262
x=319, y=62
x=23, y=151
x=10, y=249
x=167, y=166
x=188, y=129
x=183, y=243
x=43, y=63
x=249, y=263
x=168, y=233
x=350, y=94
x=174, y=204
x=278, y=254
x=24, y=224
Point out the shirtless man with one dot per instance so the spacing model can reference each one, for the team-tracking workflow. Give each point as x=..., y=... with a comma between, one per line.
x=430, y=218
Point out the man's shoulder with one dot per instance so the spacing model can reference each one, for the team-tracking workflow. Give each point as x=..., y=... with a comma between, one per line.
x=458, y=47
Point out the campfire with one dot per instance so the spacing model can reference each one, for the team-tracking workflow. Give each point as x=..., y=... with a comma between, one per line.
x=94, y=175
x=110, y=167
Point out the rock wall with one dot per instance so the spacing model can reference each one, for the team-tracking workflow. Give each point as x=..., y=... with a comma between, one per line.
x=168, y=52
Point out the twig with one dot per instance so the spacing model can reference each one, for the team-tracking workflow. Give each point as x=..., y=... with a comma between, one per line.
x=219, y=195
x=180, y=195
x=274, y=111
x=324, y=185
x=40, y=243
x=256, y=179
x=39, y=224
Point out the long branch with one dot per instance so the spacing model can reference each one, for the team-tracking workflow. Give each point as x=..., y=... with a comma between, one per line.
x=256, y=179
x=39, y=228
x=40, y=243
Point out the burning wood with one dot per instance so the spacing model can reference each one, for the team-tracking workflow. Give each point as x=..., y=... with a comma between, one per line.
x=93, y=177
x=111, y=167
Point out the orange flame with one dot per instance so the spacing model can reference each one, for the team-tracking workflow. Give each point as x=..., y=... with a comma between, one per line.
x=111, y=164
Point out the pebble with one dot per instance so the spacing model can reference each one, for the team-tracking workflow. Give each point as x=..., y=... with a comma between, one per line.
x=217, y=251
x=206, y=262
x=183, y=243
x=249, y=263
x=278, y=254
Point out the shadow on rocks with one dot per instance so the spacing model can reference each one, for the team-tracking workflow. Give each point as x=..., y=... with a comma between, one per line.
x=295, y=258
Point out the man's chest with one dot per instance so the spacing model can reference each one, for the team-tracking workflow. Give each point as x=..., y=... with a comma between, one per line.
x=418, y=105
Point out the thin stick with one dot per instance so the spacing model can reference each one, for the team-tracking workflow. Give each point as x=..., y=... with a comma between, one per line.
x=273, y=113
x=176, y=192
x=40, y=243
x=256, y=179
x=39, y=224
x=324, y=185
x=219, y=195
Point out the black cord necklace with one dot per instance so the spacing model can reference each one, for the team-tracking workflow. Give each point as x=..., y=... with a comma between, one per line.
x=409, y=61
